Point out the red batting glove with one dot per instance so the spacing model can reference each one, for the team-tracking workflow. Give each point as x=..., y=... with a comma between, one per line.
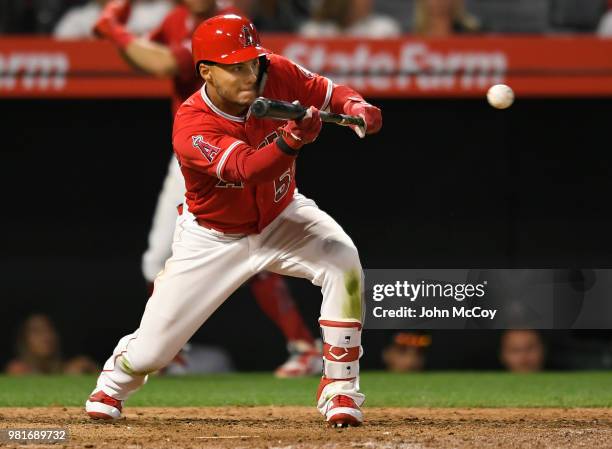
x=300, y=132
x=119, y=9
x=110, y=24
x=371, y=115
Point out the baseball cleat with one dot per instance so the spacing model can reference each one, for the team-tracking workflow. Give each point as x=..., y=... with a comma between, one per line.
x=304, y=360
x=102, y=406
x=343, y=412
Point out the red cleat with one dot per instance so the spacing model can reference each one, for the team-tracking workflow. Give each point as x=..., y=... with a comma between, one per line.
x=304, y=360
x=343, y=412
x=102, y=406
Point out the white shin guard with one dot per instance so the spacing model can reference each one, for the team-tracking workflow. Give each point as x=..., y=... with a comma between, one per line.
x=341, y=353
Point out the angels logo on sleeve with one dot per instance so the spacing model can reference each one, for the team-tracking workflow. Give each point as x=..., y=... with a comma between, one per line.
x=208, y=151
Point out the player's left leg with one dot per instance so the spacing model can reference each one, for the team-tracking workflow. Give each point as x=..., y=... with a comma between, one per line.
x=306, y=242
x=206, y=267
x=274, y=298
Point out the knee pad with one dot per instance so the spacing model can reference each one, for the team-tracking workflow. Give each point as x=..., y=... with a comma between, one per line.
x=342, y=255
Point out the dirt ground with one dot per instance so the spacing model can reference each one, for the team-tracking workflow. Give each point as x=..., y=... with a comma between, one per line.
x=302, y=427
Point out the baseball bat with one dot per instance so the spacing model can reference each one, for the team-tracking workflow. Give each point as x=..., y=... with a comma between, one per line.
x=283, y=110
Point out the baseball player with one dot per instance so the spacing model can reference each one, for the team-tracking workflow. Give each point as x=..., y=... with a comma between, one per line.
x=242, y=215
x=167, y=52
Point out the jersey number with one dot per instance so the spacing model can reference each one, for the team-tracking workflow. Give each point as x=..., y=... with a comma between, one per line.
x=229, y=185
x=281, y=185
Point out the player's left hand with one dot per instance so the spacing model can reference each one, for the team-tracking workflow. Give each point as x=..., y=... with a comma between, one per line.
x=370, y=114
x=300, y=132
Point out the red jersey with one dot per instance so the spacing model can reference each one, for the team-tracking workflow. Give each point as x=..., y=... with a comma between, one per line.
x=213, y=149
x=175, y=32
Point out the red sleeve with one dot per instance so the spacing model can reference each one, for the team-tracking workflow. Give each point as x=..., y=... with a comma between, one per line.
x=230, y=159
x=162, y=35
x=341, y=95
x=309, y=88
x=164, y=32
x=184, y=60
x=158, y=34
x=257, y=166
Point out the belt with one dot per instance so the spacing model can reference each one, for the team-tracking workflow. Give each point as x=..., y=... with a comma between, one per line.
x=208, y=227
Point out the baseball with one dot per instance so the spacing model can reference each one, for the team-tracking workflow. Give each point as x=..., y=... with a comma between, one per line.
x=500, y=96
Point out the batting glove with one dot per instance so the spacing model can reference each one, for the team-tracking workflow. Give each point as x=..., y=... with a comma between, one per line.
x=110, y=24
x=297, y=133
x=119, y=10
x=370, y=114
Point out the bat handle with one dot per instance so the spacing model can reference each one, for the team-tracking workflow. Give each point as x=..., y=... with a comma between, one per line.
x=342, y=119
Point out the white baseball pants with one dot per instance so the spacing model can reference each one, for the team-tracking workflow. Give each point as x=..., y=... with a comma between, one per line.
x=207, y=266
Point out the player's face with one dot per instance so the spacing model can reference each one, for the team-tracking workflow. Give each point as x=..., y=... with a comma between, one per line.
x=236, y=83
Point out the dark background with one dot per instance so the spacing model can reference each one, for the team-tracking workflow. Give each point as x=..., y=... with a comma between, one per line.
x=446, y=184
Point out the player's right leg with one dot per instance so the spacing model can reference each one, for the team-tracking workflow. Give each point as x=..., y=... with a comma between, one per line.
x=306, y=242
x=204, y=270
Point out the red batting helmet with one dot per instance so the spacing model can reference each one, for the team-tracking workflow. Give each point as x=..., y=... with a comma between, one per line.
x=226, y=39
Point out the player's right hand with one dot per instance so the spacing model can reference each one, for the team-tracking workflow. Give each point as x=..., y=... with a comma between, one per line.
x=297, y=133
x=371, y=115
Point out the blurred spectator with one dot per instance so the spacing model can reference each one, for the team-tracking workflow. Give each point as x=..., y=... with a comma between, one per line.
x=401, y=10
x=406, y=353
x=350, y=18
x=522, y=351
x=441, y=18
x=576, y=15
x=38, y=351
x=30, y=16
x=605, y=24
x=278, y=16
x=79, y=21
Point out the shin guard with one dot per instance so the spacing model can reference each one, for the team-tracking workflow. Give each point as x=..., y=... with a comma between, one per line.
x=341, y=353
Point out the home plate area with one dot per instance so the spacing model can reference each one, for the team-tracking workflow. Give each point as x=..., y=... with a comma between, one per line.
x=302, y=427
